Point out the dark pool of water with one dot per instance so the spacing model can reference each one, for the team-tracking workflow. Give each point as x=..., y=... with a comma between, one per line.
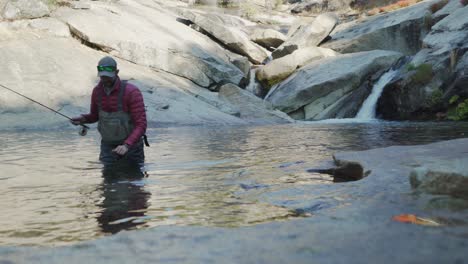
x=53, y=193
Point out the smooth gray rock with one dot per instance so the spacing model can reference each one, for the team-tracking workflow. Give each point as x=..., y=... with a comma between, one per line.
x=229, y=35
x=251, y=107
x=268, y=38
x=63, y=73
x=24, y=9
x=279, y=69
x=448, y=9
x=401, y=30
x=442, y=177
x=418, y=94
x=160, y=42
x=326, y=81
x=308, y=36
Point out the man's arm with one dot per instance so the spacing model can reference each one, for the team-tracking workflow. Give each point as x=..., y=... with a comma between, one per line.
x=136, y=108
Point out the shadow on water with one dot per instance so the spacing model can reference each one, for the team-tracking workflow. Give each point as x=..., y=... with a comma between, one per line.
x=125, y=200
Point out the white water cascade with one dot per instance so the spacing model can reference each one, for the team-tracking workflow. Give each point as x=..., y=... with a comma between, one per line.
x=368, y=108
x=252, y=86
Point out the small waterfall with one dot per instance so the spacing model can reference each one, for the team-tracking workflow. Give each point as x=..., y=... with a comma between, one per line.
x=368, y=108
x=252, y=87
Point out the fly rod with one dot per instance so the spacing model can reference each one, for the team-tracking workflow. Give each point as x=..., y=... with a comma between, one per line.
x=84, y=128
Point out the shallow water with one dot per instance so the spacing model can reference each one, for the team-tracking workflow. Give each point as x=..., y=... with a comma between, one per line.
x=53, y=193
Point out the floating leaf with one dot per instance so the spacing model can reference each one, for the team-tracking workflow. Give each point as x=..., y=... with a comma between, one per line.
x=413, y=219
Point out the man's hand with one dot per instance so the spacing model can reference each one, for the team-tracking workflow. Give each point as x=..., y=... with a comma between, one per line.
x=78, y=120
x=121, y=149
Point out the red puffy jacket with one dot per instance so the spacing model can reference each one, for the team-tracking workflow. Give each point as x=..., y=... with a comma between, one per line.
x=132, y=103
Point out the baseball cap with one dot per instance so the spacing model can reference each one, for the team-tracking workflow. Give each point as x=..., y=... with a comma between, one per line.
x=107, y=66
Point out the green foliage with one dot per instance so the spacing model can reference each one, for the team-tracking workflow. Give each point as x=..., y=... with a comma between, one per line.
x=460, y=112
x=436, y=96
x=454, y=99
x=423, y=73
x=410, y=67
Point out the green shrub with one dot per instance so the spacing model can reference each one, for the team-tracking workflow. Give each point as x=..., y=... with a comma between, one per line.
x=423, y=73
x=454, y=99
x=410, y=67
x=436, y=96
x=460, y=112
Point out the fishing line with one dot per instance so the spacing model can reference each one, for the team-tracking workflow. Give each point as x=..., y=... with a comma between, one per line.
x=84, y=128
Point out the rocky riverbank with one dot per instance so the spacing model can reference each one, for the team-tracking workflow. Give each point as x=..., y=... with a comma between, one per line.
x=312, y=67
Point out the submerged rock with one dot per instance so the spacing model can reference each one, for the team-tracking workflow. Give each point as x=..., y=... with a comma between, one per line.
x=449, y=177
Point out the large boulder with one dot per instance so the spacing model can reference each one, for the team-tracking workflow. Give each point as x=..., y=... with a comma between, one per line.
x=230, y=35
x=250, y=107
x=23, y=9
x=60, y=73
x=308, y=36
x=160, y=41
x=433, y=76
x=279, y=69
x=323, y=83
x=401, y=30
x=268, y=38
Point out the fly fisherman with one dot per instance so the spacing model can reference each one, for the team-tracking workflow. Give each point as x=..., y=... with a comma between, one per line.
x=120, y=110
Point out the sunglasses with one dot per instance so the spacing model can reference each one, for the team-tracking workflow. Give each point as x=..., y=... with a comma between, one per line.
x=106, y=68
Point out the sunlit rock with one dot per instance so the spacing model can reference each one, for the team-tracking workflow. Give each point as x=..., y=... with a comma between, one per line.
x=401, y=30
x=308, y=36
x=279, y=69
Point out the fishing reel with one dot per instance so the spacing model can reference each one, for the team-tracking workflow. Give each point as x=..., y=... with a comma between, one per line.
x=83, y=131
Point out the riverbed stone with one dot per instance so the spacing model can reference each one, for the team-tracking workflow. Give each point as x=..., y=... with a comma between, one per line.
x=324, y=82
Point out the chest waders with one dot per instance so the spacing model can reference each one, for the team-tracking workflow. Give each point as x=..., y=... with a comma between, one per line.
x=114, y=128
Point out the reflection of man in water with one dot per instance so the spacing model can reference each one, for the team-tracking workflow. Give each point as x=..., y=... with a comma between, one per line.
x=125, y=200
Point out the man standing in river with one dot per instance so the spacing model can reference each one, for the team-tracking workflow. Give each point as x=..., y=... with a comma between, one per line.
x=120, y=110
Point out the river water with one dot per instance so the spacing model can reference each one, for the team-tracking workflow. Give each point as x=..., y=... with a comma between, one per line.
x=53, y=192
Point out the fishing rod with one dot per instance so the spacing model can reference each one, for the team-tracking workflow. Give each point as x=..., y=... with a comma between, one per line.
x=84, y=128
